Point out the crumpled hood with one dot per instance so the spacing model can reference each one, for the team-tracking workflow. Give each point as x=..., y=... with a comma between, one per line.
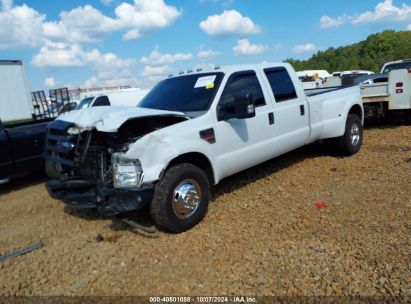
x=109, y=119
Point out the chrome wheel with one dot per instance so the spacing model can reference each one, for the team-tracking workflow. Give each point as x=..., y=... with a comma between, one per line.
x=355, y=134
x=186, y=198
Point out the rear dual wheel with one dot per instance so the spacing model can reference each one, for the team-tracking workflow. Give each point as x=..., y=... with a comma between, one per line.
x=351, y=142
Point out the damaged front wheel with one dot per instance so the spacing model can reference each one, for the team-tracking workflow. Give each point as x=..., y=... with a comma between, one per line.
x=180, y=198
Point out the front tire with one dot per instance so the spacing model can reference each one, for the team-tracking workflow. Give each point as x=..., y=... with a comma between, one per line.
x=52, y=170
x=180, y=198
x=351, y=142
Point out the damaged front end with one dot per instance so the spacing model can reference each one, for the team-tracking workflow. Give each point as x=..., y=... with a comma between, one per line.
x=89, y=167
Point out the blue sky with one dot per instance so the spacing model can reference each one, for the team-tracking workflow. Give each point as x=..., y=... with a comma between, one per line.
x=82, y=43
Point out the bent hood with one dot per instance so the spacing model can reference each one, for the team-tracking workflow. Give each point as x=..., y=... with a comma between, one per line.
x=109, y=119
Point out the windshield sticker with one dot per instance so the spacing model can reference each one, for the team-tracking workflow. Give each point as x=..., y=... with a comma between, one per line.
x=207, y=82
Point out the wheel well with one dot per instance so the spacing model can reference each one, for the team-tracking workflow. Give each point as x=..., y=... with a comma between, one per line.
x=196, y=159
x=356, y=109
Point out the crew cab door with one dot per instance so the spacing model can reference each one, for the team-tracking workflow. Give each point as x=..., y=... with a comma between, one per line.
x=6, y=160
x=243, y=143
x=291, y=112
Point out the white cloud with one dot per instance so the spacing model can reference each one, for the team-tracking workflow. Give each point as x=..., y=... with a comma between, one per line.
x=20, y=26
x=106, y=2
x=145, y=16
x=58, y=54
x=50, y=82
x=155, y=71
x=384, y=11
x=409, y=27
x=110, y=69
x=328, y=22
x=207, y=54
x=304, y=48
x=229, y=23
x=225, y=3
x=156, y=58
x=6, y=4
x=244, y=47
x=82, y=24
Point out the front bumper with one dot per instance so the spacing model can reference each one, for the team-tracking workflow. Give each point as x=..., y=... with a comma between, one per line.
x=82, y=194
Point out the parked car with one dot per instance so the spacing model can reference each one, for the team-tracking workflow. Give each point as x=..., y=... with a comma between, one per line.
x=396, y=65
x=190, y=132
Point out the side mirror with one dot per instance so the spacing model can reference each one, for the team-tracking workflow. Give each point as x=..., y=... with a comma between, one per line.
x=241, y=107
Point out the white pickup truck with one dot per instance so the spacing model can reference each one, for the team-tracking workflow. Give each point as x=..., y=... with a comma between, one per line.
x=190, y=132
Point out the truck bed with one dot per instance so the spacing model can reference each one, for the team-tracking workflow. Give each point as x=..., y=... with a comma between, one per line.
x=319, y=91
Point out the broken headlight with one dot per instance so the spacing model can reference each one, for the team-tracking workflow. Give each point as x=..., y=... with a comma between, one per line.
x=127, y=173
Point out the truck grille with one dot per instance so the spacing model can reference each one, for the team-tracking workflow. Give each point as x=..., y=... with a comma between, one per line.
x=63, y=148
x=78, y=155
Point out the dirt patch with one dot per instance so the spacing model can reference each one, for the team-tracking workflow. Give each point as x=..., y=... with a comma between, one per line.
x=264, y=234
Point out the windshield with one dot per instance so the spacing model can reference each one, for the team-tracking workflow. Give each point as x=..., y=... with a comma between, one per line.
x=190, y=93
x=85, y=103
x=397, y=66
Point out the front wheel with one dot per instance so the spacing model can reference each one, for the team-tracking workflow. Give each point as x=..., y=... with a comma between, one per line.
x=180, y=198
x=351, y=142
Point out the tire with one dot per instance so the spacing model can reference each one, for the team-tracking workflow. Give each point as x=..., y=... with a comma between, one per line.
x=351, y=142
x=51, y=170
x=167, y=210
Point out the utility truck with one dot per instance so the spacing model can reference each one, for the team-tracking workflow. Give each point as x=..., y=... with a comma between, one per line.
x=390, y=97
x=190, y=132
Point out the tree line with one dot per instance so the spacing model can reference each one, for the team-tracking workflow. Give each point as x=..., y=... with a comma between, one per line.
x=369, y=54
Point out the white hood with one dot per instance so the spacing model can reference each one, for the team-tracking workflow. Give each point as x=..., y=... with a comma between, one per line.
x=109, y=119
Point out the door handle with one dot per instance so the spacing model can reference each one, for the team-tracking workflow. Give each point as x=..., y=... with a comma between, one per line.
x=302, y=110
x=271, y=118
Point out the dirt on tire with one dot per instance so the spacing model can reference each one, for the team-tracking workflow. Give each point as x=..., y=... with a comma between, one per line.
x=302, y=224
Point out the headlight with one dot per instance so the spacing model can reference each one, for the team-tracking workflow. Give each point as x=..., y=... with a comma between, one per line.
x=127, y=173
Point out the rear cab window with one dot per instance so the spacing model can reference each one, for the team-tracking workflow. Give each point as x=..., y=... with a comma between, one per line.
x=281, y=84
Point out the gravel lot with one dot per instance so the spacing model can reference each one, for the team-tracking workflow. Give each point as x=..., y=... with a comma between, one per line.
x=263, y=233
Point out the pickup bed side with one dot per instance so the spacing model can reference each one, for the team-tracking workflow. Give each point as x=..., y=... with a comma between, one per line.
x=329, y=111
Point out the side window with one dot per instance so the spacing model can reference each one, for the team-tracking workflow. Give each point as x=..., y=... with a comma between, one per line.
x=244, y=83
x=101, y=101
x=281, y=84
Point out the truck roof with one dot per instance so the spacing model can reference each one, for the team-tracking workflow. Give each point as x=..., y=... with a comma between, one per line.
x=232, y=68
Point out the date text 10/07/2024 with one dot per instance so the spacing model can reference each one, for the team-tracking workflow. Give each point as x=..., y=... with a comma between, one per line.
x=205, y=299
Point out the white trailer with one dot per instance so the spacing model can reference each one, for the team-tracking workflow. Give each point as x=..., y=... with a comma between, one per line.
x=15, y=102
x=394, y=95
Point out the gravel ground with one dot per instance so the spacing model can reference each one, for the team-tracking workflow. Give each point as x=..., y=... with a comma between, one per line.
x=263, y=233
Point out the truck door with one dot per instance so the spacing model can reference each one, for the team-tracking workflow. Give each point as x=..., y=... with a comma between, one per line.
x=291, y=112
x=243, y=143
x=6, y=160
x=27, y=142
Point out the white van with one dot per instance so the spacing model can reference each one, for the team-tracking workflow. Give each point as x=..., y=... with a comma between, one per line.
x=125, y=98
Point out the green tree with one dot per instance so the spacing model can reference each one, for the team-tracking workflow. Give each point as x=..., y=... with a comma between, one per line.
x=369, y=54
